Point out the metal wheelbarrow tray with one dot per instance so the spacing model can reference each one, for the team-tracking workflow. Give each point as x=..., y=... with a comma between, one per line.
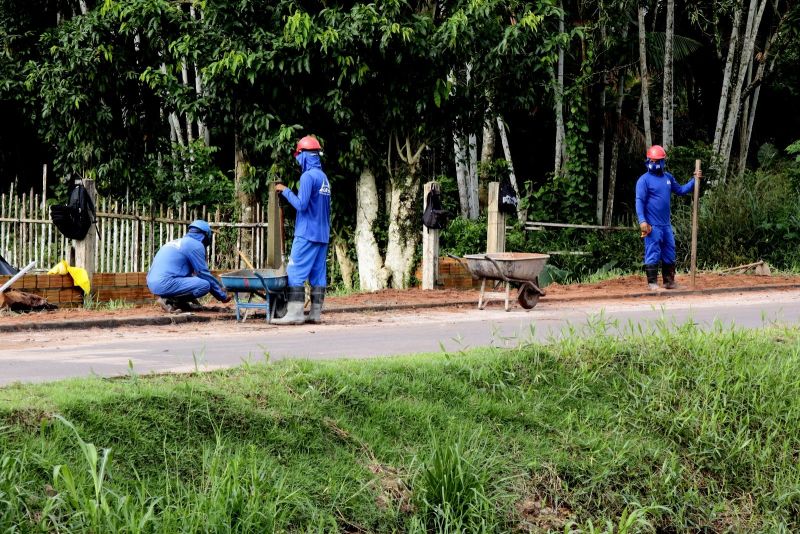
x=522, y=268
x=269, y=284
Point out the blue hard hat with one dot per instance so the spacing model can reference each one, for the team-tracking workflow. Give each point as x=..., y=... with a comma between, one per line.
x=202, y=226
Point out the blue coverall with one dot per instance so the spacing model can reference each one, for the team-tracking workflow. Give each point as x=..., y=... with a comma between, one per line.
x=180, y=270
x=308, y=259
x=653, y=192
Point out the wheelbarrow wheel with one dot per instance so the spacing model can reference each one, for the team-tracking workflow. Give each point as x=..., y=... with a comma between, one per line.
x=528, y=296
x=281, y=305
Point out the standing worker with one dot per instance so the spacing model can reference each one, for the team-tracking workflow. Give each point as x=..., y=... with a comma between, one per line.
x=179, y=274
x=653, y=192
x=312, y=229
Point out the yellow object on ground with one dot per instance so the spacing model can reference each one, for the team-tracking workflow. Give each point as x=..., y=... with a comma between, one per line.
x=79, y=276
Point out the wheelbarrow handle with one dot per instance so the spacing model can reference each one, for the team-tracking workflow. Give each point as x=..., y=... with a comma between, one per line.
x=500, y=272
x=460, y=260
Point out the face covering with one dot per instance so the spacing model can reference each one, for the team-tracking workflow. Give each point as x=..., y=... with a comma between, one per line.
x=656, y=167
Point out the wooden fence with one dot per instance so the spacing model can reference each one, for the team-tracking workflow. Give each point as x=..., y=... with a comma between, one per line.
x=130, y=234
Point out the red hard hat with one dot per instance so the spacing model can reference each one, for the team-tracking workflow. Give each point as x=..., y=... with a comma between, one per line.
x=656, y=152
x=307, y=143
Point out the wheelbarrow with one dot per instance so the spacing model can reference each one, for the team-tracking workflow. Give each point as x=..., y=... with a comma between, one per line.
x=506, y=268
x=267, y=284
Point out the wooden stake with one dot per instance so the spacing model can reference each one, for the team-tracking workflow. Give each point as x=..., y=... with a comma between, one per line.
x=496, y=227
x=430, y=245
x=693, y=268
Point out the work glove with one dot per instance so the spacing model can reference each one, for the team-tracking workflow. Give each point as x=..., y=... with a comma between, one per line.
x=226, y=299
x=645, y=228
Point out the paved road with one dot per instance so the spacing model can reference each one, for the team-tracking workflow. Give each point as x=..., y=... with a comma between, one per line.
x=46, y=356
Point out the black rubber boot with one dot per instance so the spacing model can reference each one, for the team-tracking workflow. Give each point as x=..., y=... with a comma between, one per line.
x=652, y=276
x=317, y=299
x=668, y=274
x=294, y=307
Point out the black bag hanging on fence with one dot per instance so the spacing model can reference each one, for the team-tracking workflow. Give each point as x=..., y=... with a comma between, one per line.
x=74, y=219
x=507, y=199
x=6, y=268
x=434, y=217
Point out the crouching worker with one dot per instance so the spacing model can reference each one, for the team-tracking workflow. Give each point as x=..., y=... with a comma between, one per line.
x=308, y=259
x=179, y=274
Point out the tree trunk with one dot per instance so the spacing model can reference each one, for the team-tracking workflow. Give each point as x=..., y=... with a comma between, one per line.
x=488, y=140
x=244, y=198
x=667, y=101
x=559, y=101
x=84, y=8
x=751, y=30
x=745, y=146
x=733, y=48
x=372, y=275
x=612, y=171
x=501, y=126
x=403, y=234
x=601, y=156
x=472, y=175
x=346, y=266
x=645, y=78
x=462, y=176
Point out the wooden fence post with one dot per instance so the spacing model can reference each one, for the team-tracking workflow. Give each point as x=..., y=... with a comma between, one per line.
x=274, y=242
x=496, y=227
x=84, y=249
x=430, y=245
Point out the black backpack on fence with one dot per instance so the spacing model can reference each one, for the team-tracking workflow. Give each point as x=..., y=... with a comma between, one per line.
x=434, y=217
x=74, y=219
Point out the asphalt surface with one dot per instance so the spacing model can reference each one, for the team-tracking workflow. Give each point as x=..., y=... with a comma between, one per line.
x=47, y=356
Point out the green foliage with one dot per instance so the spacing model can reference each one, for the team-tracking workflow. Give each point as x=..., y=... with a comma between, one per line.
x=744, y=220
x=610, y=427
x=452, y=488
x=463, y=236
x=793, y=149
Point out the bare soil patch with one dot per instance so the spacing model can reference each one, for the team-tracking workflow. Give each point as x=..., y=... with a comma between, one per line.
x=399, y=300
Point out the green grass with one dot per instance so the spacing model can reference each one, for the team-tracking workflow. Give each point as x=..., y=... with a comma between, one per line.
x=675, y=430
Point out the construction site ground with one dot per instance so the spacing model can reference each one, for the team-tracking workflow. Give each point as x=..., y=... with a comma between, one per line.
x=347, y=309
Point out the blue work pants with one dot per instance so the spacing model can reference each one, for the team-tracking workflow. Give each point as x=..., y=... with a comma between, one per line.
x=308, y=261
x=660, y=245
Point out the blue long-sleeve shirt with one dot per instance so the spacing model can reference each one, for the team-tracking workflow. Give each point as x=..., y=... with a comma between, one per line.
x=181, y=258
x=312, y=201
x=653, y=194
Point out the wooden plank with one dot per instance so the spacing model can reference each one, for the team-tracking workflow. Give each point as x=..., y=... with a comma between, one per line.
x=531, y=225
x=496, y=224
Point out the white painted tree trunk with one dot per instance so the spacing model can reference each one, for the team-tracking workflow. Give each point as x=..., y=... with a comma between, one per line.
x=371, y=274
x=402, y=235
x=667, y=100
x=83, y=6
x=501, y=126
x=645, y=78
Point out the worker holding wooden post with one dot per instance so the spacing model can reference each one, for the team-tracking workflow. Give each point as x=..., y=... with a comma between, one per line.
x=653, y=193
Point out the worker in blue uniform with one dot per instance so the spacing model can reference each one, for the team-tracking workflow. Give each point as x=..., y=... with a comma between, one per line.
x=653, y=192
x=179, y=274
x=312, y=229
